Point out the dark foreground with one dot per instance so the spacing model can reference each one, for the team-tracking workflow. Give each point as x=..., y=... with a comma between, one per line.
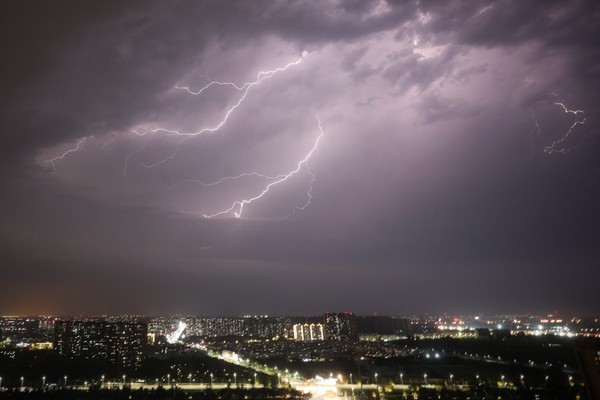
x=141, y=394
x=481, y=393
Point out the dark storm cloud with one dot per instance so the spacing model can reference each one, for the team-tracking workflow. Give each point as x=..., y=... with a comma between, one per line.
x=506, y=22
x=554, y=26
x=89, y=69
x=428, y=179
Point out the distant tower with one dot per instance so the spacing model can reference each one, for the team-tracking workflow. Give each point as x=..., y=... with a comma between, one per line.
x=341, y=327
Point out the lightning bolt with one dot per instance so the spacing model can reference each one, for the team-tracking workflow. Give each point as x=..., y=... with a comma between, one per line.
x=227, y=178
x=270, y=181
x=244, y=89
x=109, y=141
x=556, y=146
x=308, y=194
x=552, y=148
x=164, y=160
x=77, y=147
x=237, y=207
x=126, y=164
x=567, y=111
x=535, y=131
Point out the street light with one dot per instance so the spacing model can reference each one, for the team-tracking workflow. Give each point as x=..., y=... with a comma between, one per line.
x=376, y=378
x=65, y=380
x=0, y=383
x=425, y=378
x=123, y=379
x=235, y=379
x=211, y=380
x=102, y=381
x=168, y=379
x=451, y=376
x=502, y=377
x=190, y=376
x=43, y=381
x=401, y=379
x=255, y=379
x=22, y=379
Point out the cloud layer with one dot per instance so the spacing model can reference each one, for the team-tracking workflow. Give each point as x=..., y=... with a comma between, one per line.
x=431, y=190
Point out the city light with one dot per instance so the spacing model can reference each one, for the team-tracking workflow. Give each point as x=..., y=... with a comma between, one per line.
x=252, y=337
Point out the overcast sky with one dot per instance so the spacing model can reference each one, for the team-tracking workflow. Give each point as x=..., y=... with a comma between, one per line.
x=455, y=169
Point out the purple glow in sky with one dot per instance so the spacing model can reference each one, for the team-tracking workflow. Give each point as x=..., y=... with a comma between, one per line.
x=453, y=166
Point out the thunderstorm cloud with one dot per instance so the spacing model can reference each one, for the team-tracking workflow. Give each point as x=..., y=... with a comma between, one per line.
x=450, y=174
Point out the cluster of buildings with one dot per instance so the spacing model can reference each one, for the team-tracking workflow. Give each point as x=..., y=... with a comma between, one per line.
x=338, y=327
x=121, y=343
x=506, y=325
x=125, y=340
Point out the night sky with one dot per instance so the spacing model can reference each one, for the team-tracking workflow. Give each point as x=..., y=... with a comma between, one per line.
x=444, y=175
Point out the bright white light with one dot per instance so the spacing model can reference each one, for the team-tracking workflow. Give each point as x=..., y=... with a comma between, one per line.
x=176, y=335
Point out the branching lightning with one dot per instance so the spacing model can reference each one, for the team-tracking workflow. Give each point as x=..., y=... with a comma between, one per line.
x=535, y=131
x=552, y=148
x=308, y=193
x=126, y=164
x=164, y=160
x=237, y=207
x=557, y=145
x=567, y=111
x=243, y=89
x=64, y=154
x=109, y=141
x=227, y=178
x=269, y=182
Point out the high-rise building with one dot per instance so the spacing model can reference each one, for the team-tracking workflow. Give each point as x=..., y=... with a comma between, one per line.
x=121, y=343
x=309, y=332
x=383, y=325
x=341, y=327
x=249, y=326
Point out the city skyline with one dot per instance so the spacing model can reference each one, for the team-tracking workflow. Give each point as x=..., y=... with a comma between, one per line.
x=332, y=356
x=294, y=158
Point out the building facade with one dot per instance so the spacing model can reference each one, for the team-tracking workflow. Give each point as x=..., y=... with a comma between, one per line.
x=121, y=343
x=341, y=327
x=309, y=332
